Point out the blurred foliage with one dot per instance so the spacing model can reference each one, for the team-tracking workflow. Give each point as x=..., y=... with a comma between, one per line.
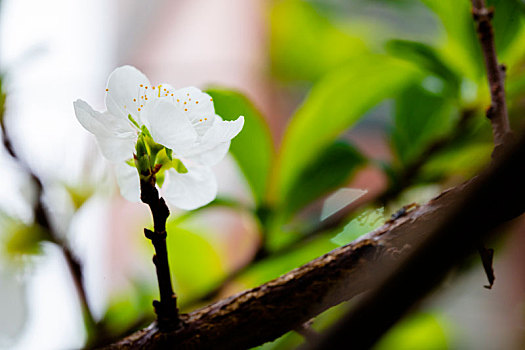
x=331, y=170
x=20, y=238
x=253, y=148
x=365, y=222
x=418, y=331
x=333, y=105
x=194, y=261
x=302, y=42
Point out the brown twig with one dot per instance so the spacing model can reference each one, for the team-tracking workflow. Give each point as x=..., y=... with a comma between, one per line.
x=41, y=217
x=497, y=112
x=166, y=308
x=266, y=312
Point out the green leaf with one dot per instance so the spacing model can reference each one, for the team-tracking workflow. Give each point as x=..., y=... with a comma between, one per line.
x=361, y=225
x=253, y=147
x=18, y=238
x=330, y=170
x=269, y=269
x=305, y=45
x=461, y=45
x=334, y=104
x=419, y=331
x=420, y=118
x=464, y=162
x=428, y=58
x=195, y=264
x=507, y=22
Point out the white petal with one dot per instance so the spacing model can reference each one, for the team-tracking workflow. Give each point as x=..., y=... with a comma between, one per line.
x=212, y=156
x=89, y=118
x=117, y=148
x=214, y=144
x=124, y=85
x=191, y=190
x=128, y=182
x=197, y=106
x=168, y=125
x=101, y=123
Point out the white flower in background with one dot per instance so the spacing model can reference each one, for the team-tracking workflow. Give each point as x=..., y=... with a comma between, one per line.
x=181, y=123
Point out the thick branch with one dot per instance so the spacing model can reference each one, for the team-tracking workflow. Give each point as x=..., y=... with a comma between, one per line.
x=166, y=309
x=264, y=313
x=497, y=113
x=486, y=202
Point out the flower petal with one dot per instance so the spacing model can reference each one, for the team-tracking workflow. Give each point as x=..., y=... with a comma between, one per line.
x=89, y=118
x=115, y=137
x=125, y=87
x=214, y=144
x=191, y=190
x=128, y=182
x=117, y=148
x=168, y=125
x=197, y=106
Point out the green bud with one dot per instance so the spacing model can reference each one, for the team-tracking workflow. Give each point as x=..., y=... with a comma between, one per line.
x=142, y=158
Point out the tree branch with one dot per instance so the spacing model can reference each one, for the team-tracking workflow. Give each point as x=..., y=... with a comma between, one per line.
x=166, y=308
x=266, y=312
x=497, y=112
x=41, y=218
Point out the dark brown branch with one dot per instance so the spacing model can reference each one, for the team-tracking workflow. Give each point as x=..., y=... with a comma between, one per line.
x=497, y=112
x=487, y=202
x=266, y=312
x=166, y=308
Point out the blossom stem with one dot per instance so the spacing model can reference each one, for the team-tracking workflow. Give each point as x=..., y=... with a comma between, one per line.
x=166, y=309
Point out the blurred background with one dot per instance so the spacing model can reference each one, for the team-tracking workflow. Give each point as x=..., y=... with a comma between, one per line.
x=386, y=96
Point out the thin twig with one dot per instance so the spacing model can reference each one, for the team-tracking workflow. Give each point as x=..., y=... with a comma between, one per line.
x=497, y=112
x=166, y=308
x=41, y=217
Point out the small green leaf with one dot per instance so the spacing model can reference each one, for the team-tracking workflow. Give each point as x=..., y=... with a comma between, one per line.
x=364, y=223
x=465, y=161
x=332, y=169
x=420, y=118
x=253, y=147
x=334, y=104
x=507, y=22
x=428, y=58
x=461, y=48
x=20, y=238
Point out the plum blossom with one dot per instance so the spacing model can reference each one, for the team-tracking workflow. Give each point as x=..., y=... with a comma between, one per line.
x=181, y=123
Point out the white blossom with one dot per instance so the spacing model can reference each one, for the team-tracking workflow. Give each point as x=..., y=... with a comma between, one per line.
x=182, y=120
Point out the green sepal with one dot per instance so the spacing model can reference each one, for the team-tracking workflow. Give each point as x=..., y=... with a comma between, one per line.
x=142, y=158
x=160, y=176
x=133, y=121
x=178, y=166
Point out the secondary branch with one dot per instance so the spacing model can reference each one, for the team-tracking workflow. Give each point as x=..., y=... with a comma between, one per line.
x=497, y=113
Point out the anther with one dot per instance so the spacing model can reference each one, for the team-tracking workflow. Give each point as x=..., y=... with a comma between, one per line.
x=107, y=90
